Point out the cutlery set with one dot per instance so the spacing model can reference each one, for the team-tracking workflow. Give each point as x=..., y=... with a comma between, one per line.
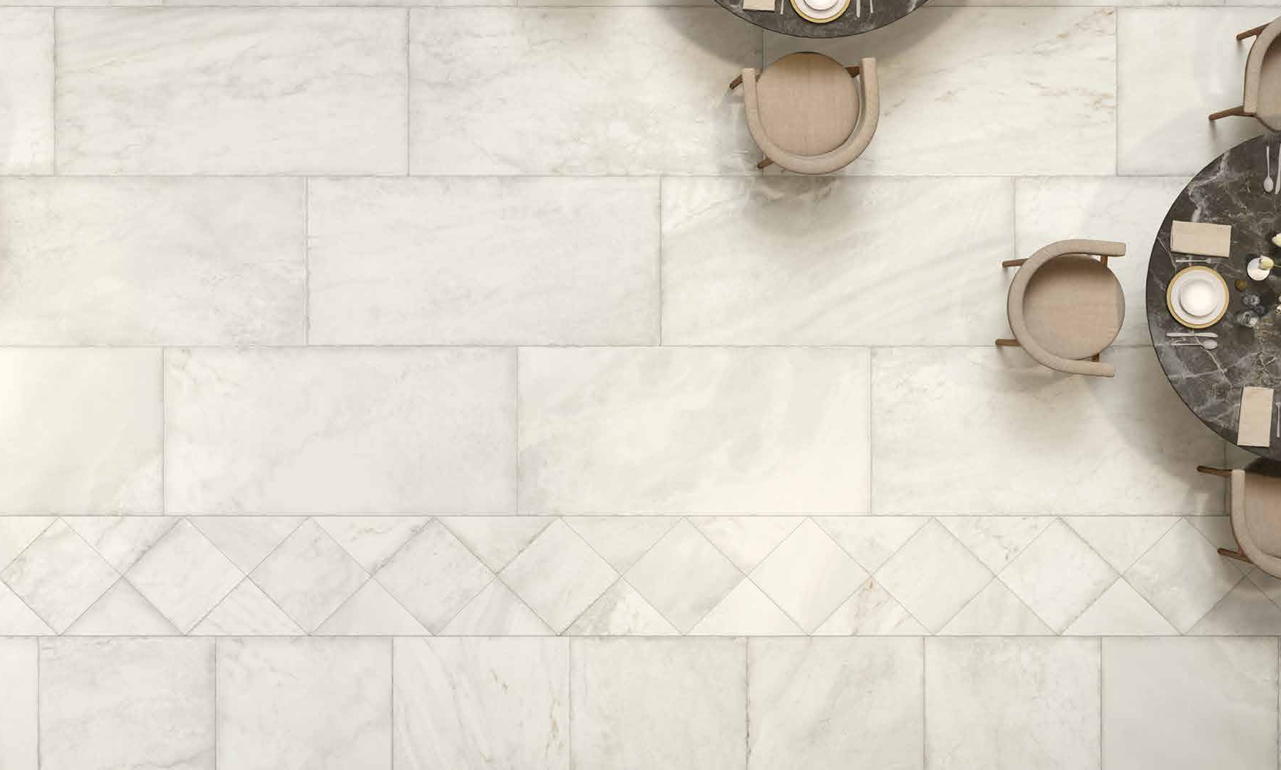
x=1204, y=340
x=1271, y=186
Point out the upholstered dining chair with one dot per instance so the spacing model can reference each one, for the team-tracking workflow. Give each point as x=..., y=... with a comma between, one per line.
x=807, y=115
x=1261, y=99
x=1256, y=518
x=1065, y=307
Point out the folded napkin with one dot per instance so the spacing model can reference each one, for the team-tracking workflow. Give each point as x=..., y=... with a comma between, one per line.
x=1201, y=238
x=758, y=5
x=1254, y=428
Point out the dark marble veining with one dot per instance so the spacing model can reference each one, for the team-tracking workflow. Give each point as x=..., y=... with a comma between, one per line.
x=875, y=15
x=1228, y=191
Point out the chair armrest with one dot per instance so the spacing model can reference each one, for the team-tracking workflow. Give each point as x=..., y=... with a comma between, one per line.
x=1254, y=66
x=1018, y=289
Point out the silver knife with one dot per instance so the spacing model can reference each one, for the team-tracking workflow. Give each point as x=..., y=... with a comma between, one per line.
x=1191, y=334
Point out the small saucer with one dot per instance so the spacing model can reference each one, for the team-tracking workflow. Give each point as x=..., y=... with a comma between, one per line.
x=1197, y=273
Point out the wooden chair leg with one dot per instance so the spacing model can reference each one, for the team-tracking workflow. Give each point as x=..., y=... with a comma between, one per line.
x=1252, y=32
x=765, y=162
x=1013, y=262
x=853, y=71
x=1095, y=358
x=736, y=82
x=1225, y=113
x=1103, y=258
x=1008, y=344
x=1233, y=555
x=1227, y=474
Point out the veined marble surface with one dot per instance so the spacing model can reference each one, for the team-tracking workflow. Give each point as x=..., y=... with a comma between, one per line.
x=438, y=385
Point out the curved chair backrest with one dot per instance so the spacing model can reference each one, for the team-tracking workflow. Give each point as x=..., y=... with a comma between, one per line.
x=1241, y=523
x=834, y=160
x=1018, y=289
x=1254, y=66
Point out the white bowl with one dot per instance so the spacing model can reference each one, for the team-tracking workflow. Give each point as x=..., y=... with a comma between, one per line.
x=820, y=5
x=1196, y=297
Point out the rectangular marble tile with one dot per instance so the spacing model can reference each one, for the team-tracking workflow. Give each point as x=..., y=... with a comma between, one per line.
x=712, y=430
x=578, y=91
x=988, y=430
x=1012, y=703
x=82, y=431
x=638, y=704
x=987, y=90
x=482, y=703
x=26, y=91
x=18, y=710
x=1125, y=209
x=229, y=91
x=308, y=702
x=835, y=703
x=340, y=430
x=151, y=261
x=1167, y=91
x=790, y=260
x=1190, y=703
x=484, y=261
x=127, y=703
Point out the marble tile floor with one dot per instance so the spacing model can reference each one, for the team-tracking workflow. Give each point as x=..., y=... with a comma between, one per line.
x=401, y=385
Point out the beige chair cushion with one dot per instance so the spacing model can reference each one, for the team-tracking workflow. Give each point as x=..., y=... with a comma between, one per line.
x=808, y=103
x=1261, y=513
x=1074, y=306
x=1269, y=95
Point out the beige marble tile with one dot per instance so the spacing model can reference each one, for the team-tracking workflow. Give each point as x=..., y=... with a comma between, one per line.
x=493, y=261
x=26, y=91
x=987, y=90
x=666, y=430
x=232, y=91
x=19, y=710
x=578, y=91
x=834, y=261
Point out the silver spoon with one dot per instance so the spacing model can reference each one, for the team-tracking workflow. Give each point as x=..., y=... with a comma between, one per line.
x=1207, y=344
x=1267, y=159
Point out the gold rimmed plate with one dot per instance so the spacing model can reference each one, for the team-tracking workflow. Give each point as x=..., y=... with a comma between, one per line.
x=1197, y=273
x=817, y=16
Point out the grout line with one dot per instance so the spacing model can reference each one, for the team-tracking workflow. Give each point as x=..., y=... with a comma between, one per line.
x=40, y=702
x=409, y=93
x=306, y=261
x=1101, y=723
x=662, y=300
x=216, y=646
x=747, y=703
x=391, y=705
x=925, y=731
x=516, y=504
x=164, y=436
x=569, y=698
x=871, y=433
x=54, y=95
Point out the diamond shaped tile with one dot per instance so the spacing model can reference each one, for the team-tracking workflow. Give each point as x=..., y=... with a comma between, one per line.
x=746, y=540
x=684, y=576
x=496, y=540
x=996, y=611
x=996, y=540
x=1183, y=576
x=17, y=619
x=247, y=611
x=184, y=575
x=558, y=576
x=121, y=540
x=434, y=576
x=1058, y=576
x=17, y=532
x=621, y=540
x=871, y=611
x=496, y=611
x=1121, y=540
x=122, y=611
x=746, y=611
x=621, y=611
x=871, y=540
x=59, y=576
x=246, y=540
x=371, y=540
x=1244, y=611
x=371, y=611
x=933, y=576
x=808, y=575
x=309, y=575
x=1120, y=611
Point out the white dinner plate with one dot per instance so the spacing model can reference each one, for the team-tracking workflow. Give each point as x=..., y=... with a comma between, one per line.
x=1197, y=276
x=832, y=11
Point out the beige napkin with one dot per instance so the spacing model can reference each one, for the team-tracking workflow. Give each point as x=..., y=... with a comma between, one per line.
x=1254, y=428
x=758, y=5
x=1201, y=238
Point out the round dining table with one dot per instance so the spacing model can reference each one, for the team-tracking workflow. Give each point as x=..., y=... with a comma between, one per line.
x=1229, y=191
x=861, y=16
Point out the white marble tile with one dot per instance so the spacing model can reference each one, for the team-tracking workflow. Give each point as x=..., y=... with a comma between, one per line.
x=835, y=703
x=309, y=575
x=230, y=91
x=1058, y=576
x=746, y=540
x=746, y=611
x=1183, y=576
x=1120, y=611
x=1122, y=209
x=120, y=540
x=559, y=576
x=63, y=452
x=127, y=703
x=18, y=532
x=996, y=611
x=1121, y=540
x=371, y=611
x=59, y=576
x=26, y=85
x=340, y=430
x=871, y=540
x=621, y=540
x=1167, y=91
x=247, y=611
x=434, y=576
x=1079, y=444
x=694, y=430
x=1243, y=611
x=496, y=611
x=490, y=261
x=482, y=704
x=808, y=576
x=246, y=540
x=621, y=611
x=1029, y=90
x=996, y=540
x=1012, y=703
x=19, y=708
x=684, y=576
x=151, y=261
x=578, y=91
x=371, y=540
x=777, y=260
x=122, y=611
x=1190, y=703
x=496, y=540
x=17, y=619
x=304, y=703
x=184, y=576
x=933, y=576
x=639, y=704
x=871, y=611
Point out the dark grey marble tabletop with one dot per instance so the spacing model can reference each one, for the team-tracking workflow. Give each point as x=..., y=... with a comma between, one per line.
x=1229, y=191
x=874, y=15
